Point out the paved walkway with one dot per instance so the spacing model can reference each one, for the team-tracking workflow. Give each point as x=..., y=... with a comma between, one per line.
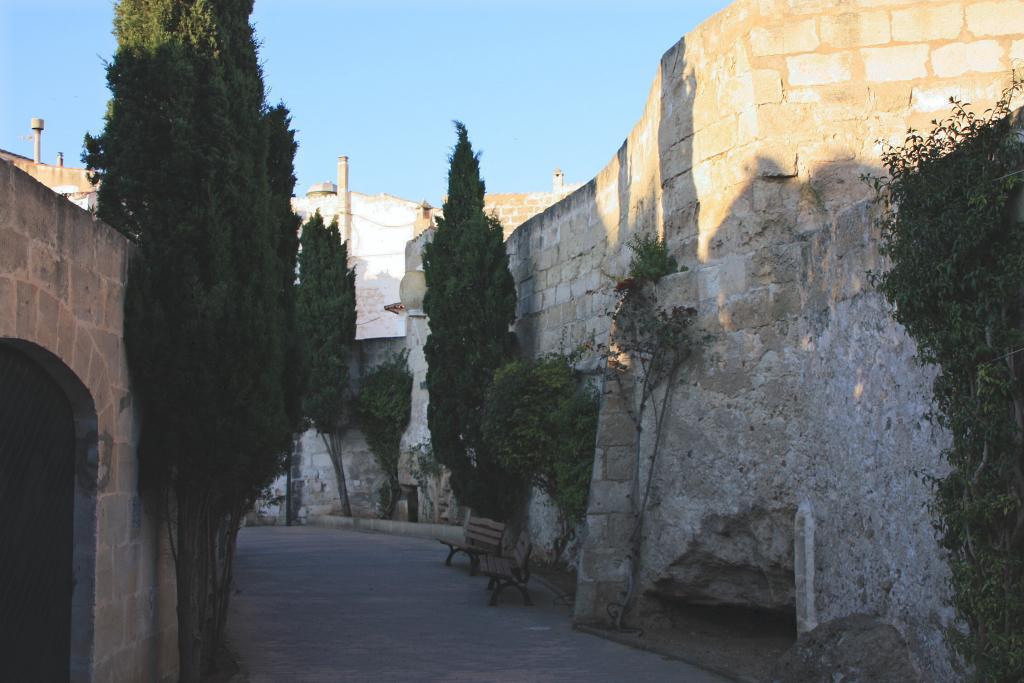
x=319, y=604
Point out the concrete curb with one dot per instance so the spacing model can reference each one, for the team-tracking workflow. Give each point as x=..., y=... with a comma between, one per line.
x=388, y=526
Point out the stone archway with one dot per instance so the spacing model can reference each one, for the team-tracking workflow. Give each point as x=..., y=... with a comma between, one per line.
x=48, y=457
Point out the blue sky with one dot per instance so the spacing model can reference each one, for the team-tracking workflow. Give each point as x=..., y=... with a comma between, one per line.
x=539, y=84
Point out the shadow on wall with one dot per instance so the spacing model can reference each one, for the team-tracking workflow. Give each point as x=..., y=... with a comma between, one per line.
x=806, y=393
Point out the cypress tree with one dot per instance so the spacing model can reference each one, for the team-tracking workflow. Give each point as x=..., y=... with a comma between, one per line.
x=327, y=326
x=183, y=159
x=470, y=302
x=280, y=165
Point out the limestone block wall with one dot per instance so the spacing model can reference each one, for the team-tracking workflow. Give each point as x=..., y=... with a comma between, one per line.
x=514, y=209
x=804, y=394
x=62, y=277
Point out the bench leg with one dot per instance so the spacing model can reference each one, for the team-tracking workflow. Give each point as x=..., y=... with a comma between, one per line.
x=451, y=554
x=526, y=595
x=502, y=585
x=474, y=565
x=490, y=583
x=497, y=591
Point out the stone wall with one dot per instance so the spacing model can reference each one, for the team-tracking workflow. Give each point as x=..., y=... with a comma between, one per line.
x=514, y=209
x=314, y=482
x=62, y=277
x=804, y=393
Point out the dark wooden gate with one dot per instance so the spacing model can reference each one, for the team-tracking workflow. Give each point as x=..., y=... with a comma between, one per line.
x=37, y=470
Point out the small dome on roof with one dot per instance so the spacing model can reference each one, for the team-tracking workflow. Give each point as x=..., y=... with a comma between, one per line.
x=321, y=189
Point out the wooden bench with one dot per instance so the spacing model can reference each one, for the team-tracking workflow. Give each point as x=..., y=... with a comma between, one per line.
x=509, y=571
x=483, y=537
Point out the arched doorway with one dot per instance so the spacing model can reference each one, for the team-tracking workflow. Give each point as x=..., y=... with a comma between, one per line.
x=47, y=530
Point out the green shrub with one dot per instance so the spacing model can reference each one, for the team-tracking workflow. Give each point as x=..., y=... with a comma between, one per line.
x=541, y=424
x=385, y=397
x=650, y=260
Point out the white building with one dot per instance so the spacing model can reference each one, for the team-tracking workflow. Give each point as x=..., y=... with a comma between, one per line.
x=376, y=228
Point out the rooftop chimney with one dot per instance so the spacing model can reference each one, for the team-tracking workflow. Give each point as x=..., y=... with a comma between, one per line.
x=557, y=180
x=37, y=129
x=60, y=159
x=344, y=199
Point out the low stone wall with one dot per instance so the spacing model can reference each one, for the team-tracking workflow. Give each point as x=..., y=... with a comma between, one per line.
x=62, y=278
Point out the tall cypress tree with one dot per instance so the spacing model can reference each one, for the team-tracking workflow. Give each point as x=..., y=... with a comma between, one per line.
x=280, y=164
x=470, y=302
x=184, y=163
x=327, y=327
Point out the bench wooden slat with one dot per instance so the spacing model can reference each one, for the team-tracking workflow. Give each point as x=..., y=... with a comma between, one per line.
x=483, y=522
x=485, y=530
x=481, y=537
x=505, y=571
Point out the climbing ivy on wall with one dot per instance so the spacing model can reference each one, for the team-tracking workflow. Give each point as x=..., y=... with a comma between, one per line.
x=385, y=398
x=955, y=282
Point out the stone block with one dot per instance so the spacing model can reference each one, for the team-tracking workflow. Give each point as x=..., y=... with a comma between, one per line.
x=715, y=139
x=27, y=309
x=611, y=496
x=955, y=59
x=603, y=564
x=927, y=22
x=619, y=463
x=855, y=29
x=82, y=353
x=890, y=96
x=999, y=18
x=615, y=428
x=66, y=335
x=86, y=299
x=901, y=63
x=767, y=86
x=13, y=252
x=8, y=307
x=786, y=38
x=785, y=122
x=109, y=633
x=47, y=322
x=1017, y=51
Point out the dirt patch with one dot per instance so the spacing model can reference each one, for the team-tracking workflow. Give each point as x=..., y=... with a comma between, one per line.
x=560, y=580
x=740, y=644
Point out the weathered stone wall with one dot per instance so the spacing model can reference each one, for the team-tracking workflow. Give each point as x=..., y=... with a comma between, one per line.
x=314, y=482
x=62, y=277
x=805, y=393
x=514, y=209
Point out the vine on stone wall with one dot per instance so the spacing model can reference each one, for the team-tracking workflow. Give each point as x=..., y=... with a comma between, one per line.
x=650, y=343
x=955, y=283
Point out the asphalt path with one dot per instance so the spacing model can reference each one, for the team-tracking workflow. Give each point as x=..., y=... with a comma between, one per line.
x=315, y=604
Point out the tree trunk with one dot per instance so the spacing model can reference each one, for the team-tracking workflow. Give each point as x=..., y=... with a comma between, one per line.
x=226, y=537
x=332, y=441
x=192, y=570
